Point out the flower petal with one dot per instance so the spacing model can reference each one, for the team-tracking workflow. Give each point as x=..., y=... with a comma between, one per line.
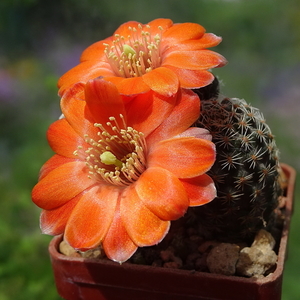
x=152, y=110
x=194, y=60
x=74, y=112
x=184, y=114
x=96, y=51
x=125, y=29
x=61, y=185
x=196, y=132
x=200, y=189
x=54, y=162
x=181, y=32
x=191, y=79
x=54, y=221
x=129, y=86
x=185, y=157
x=206, y=41
x=117, y=244
x=162, y=80
x=91, y=218
x=209, y=40
x=83, y=72
x=142, y=225
x=63, y=139
x=159, y=25
x=162, y=193
x=103, y=100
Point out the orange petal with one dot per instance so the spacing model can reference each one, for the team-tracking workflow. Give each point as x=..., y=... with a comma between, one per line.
x=82, y=73
x=91, y=218
x=54, y=162
x=184, y=114
x=200, y=189
x=162, y=80
x=206, y=41
x=210, y=40
x=63, y=139
x=96, y=51
x=153, y=110
x=117, y=244
x=193, y=78
x=103, y=101
x=54, y=221
x=74, y=112
x=142, y=225
x=129, y=86
x=124, y=29
x=61, y=185
x=159, y=25
x=196, y=132
x=185, y=157
x=181, y=32
x=162, y=193
x=194, y=60
x=75, y=91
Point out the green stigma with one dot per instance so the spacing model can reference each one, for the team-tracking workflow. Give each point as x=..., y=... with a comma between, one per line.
x=128, y=50
x=108, y=158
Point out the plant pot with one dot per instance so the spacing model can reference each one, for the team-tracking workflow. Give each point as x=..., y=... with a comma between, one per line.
x=78, y=278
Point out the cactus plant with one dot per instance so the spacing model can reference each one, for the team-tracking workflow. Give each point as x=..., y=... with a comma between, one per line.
x=246, y=171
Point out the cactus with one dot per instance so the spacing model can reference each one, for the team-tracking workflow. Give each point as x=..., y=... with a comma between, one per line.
x=246, y=174
x=246, y=171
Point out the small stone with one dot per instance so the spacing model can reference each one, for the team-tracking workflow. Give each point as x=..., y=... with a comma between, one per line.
x=255, y=261
x=67, y=250
x=92, y=253
x=259, y=258
x=264, y=239
x=222, y=259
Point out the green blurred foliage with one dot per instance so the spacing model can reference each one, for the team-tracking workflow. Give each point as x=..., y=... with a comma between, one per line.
x=42, y=39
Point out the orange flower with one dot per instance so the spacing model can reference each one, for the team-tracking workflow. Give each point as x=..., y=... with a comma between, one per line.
x=158, y=56
x=124, y=167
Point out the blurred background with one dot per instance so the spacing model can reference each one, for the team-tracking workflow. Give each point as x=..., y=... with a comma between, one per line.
x=42, y=39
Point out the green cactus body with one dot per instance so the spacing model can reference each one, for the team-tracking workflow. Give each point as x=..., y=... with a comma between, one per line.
x=246, y=171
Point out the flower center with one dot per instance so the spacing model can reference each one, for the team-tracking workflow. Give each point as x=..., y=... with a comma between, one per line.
x=136, y=54
x=118, y=156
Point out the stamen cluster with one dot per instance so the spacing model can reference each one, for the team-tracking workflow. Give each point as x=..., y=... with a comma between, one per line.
x=125, y=144
x=136, y=54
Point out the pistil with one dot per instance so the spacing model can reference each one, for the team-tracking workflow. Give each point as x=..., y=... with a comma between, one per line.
x=109, y=158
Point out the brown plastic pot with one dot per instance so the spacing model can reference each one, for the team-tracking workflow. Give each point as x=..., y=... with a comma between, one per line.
x=89, y=279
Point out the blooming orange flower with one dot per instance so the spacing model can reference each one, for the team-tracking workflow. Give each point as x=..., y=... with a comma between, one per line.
x=158, y=56
x=124, y=168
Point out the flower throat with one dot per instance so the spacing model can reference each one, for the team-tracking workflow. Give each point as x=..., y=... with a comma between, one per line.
x=118, y=156
x=136, y=54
